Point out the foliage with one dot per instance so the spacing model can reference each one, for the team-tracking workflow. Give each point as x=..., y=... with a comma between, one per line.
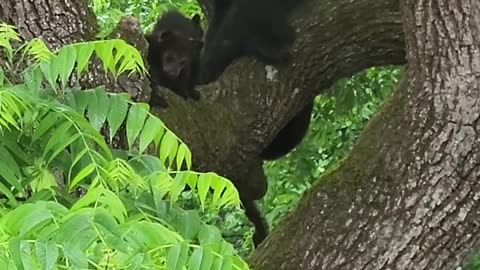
x=69, y=200
x=472, y=262
x=110, y=12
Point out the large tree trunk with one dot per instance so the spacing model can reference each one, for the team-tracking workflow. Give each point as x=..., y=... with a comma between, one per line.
x=406, y=197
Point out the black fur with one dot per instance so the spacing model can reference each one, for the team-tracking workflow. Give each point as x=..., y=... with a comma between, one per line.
x=239, y=28
x=285, y=141
x=255, y=216
x=290, y=135
x=174, y=51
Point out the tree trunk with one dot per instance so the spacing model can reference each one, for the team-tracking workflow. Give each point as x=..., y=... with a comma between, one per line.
x=407, y=197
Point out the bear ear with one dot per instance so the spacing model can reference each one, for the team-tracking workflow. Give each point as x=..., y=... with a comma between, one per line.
x=196, y=19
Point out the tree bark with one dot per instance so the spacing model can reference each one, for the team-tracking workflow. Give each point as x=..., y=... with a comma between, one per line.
x=407, y=197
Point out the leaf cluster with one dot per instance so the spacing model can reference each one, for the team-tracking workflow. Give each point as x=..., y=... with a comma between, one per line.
x=68, y=199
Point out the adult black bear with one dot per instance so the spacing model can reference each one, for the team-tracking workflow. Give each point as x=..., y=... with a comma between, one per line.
x=290, y=135
x=174, y=51
x=239, y=28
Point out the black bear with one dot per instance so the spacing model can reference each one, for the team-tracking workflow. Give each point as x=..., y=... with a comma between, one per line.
x=290, y=135
x=257, y=28
x=175, y=46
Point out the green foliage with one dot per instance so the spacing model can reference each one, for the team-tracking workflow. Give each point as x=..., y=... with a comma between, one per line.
x=7, y=35
x=110, y=12
x=472, y=262
x=52, y=150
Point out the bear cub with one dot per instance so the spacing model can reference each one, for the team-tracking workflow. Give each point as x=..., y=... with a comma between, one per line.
x=175, y=46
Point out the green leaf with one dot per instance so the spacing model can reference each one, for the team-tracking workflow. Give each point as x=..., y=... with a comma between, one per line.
x=183, y=154
x=49, y=72
x=188, y=223
x=196, y=259
x=10, y=177
x=90, y=197
x=116, y=207
x=104, y=50
x=62, y=145
x=47, y=122
x=207, y=259
x=230, y=195
x=47, y=253
x=84, y=52
x=75, y=247
x=98, y=110
x=203, y=185
x=221, y=263
x=82, y=174
x=168, y=146
x=135, y=120
x=209, y=235
x=76, y=159
x=82, y=99
x=56, y=137
x=117, y=113
x=33, y=79
x=178, y=185
x=177, y=256
x=153, y=126
x=9, y=160
x=14, y=246
x=66, y=62
x=27, y=219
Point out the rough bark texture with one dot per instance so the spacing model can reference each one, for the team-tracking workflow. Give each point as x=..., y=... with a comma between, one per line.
x=56, y=22
x=407, y=196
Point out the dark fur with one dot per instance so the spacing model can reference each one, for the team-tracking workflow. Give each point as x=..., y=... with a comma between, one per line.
x=255, y=216
x=174, y=51
x=290, y=135
x=257, y=28
x=253, y=186
x=285, y=141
